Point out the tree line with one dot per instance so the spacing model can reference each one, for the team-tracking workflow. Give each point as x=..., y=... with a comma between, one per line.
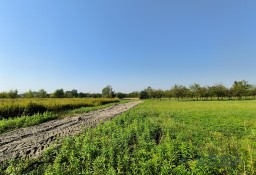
x=239, y=90
x=107, y=92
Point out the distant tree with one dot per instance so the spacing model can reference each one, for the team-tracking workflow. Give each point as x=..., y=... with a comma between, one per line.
x=97, y=95
x=159, y=94
x=59, y=93
x=42, y=94
x=120, y=95
x=195, y=91
x=179, y=91
x=144, y=95
x=134, y=94
x=82, y=95
x=219, y=91
x=74, y=93
x=71, y=94
x=29, y=94
x=3, y=95
x=241, y=88
x=168, y=94
x=12, y=94
x=253, y=91
x=108, y=92
x=204, y=92
x=151, y=92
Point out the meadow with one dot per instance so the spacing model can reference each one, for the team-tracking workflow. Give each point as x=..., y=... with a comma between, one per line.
x=158, y=137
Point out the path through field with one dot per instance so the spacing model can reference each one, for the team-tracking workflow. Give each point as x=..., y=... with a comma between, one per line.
x=31, y=141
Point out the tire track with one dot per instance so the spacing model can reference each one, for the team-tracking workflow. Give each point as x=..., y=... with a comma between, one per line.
x=31, y=141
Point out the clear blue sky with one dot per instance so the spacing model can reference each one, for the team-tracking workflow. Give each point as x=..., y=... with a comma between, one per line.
x=129, y=44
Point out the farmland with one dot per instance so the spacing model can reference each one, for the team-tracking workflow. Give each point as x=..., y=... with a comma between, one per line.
x=17, y=113
x=29, y=106
x=158, y=137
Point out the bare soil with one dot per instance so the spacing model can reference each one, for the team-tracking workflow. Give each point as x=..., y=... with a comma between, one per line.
x=31, y=141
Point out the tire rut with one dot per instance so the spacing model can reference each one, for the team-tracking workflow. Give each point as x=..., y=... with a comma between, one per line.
x=31, y=141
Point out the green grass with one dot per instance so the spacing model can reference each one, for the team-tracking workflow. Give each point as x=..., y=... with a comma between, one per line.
x=159, y=137
x=25, y=121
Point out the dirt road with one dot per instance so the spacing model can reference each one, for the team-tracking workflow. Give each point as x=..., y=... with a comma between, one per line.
x=31, y=141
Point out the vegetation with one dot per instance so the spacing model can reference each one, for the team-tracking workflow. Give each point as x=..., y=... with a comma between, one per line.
x=158, y=137
x=239, y=90
x=25, y=121
x=19, y=107
x=108, y=92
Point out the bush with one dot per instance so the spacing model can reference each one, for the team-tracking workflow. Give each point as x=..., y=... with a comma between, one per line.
x=34, y=108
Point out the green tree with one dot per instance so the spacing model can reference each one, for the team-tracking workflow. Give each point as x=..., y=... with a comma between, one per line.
x=107, y=92
x=219, y=91
x=71, y=94
x=59, y=93
x=159, y=94
x=29, y=94
x=179, y=91
x=42, y=94
x=253, y=91
x=3, y=95
x=241, y=88
x=195, y=90
x=120, y=95
x=12, y=94
x=151, y=92
x=143, y=95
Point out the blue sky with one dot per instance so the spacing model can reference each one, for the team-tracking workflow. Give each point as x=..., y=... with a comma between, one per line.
x=129, y=44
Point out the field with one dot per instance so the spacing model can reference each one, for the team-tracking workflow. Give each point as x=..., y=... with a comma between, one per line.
x=159, y=137
x=17, y=113
x=10, y=108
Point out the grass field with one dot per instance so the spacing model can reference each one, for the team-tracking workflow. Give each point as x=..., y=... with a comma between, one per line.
x=159, y=137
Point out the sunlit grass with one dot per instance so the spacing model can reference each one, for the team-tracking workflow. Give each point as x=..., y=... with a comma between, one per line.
x=160, y=137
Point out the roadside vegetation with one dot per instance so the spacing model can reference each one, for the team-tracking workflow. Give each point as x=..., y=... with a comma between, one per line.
x=52, y=109
x=11, y=108
x=158, y=137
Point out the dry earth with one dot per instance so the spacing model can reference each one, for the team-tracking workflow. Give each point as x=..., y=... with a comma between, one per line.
x=31, y=141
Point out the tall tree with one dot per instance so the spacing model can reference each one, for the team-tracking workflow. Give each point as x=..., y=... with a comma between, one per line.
x=107, y=92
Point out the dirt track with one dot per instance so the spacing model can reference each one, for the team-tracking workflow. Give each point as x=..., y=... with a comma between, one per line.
x=31, y=141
